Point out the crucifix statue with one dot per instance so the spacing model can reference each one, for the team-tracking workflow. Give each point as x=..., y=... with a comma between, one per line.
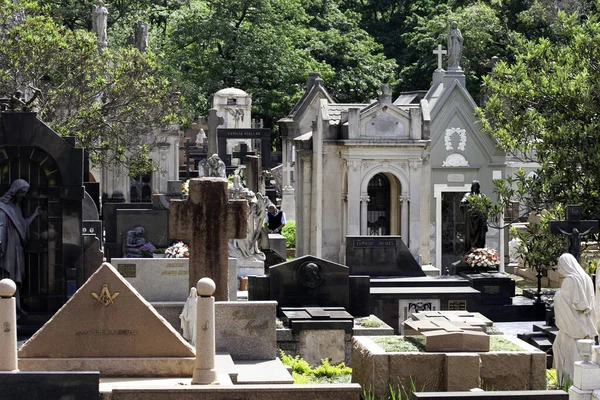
x=207, y=219
x=574, y=228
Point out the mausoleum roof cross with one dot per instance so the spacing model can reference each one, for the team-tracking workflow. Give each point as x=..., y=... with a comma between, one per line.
x=440, y=53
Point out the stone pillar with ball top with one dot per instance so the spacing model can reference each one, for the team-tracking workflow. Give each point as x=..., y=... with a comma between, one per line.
x=8, y=326
x=204, y=367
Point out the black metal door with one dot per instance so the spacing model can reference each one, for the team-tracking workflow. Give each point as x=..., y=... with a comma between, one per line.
x=453, y=228
x=378, y=210
x=43, y=289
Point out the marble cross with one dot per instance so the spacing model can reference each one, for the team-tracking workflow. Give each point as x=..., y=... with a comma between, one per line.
x=208, y=220
x=439, y=53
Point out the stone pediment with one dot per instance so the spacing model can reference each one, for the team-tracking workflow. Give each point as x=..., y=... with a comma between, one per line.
x=106, y=317
x=385, y=121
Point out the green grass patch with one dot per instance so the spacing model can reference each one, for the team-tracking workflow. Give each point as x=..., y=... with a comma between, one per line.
x=369, y=322
x=401, y=344
x=499, y=343
x=416, y=344
x=303, y=373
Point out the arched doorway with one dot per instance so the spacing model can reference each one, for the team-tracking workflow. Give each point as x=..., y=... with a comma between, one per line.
x=379, y=207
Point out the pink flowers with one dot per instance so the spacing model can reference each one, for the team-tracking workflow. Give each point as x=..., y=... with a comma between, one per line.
x=483, y=258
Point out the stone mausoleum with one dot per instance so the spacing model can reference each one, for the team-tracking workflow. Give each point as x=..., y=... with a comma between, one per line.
x=388, y=167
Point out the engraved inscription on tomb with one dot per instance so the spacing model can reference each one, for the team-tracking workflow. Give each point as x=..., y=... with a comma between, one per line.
x=175, y=269
x=457, y=305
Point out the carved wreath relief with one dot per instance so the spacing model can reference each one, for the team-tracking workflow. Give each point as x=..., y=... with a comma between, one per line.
x=455, y=159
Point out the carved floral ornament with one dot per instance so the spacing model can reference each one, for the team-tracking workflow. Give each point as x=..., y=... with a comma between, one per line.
x=462, y=133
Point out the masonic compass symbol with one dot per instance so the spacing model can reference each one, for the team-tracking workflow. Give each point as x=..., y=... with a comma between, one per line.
x=105, y=297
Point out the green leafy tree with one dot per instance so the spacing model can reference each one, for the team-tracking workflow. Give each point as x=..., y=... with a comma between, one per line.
x=544, y=107
x=267, y=47
x=112, y=100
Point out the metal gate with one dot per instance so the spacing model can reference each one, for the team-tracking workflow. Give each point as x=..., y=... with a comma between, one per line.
x=453, y=228
x=43, y=289
x=378, y=210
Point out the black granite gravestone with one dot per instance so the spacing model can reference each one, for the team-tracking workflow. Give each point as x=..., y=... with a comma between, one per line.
x=309, y=282
x=380, y=256
x=49, y=385
x=495, y=288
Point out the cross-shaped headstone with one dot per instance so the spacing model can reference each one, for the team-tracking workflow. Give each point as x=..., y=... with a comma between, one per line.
x=208, y=220
x=439, y=53
x=242, y=153
x=213, y=121
x=574, y=228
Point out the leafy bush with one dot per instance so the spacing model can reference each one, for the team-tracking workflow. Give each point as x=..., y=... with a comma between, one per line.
x=324, y=373
x=289, y=231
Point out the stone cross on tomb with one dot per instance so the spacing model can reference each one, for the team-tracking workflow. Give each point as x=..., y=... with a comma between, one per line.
x=440, y=53
x=208, y=220
x=213, y=121
x=574, y=228
x=242, y=153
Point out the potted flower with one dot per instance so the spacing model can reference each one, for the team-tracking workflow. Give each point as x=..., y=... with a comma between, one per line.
x=178, y=250
x=483, y=258
x=158, y=253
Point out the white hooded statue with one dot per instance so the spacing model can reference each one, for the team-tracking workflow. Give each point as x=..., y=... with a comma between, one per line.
x=574, y=313
x=188, y=317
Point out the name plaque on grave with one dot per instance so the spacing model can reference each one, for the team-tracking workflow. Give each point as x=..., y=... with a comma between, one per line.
x=127, y=270
x=239, y=133
x=457, y=305
x=374, y=243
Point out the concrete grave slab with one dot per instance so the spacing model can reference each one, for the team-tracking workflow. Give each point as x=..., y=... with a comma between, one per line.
x=246, y=330
x=442, y=340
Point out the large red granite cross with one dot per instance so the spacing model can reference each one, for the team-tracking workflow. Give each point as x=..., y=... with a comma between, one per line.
x=207, y=219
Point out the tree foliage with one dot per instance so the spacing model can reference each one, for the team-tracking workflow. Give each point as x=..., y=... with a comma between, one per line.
x=543, y=107
x=110, y=100
x=267, y=47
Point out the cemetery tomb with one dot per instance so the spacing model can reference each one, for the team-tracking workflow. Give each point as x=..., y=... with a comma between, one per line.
x=450, y=330
x=519, y=366
x=380, y=256
x=53, y=167
x=108, y=326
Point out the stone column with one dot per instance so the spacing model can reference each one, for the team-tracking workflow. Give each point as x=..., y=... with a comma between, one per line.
x=204, y=367
x=364, y=203
x=353, y=223
x=404, y=201
x=415, y=212
x=8, y=326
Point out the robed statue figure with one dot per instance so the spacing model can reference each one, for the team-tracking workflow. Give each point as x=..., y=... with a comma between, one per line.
x=475, y=223
x=14, y=233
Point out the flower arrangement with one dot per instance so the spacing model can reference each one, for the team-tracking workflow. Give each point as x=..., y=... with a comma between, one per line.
x=178, y=250
x=147, y=250
x=483, y=258
x=185, y=187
